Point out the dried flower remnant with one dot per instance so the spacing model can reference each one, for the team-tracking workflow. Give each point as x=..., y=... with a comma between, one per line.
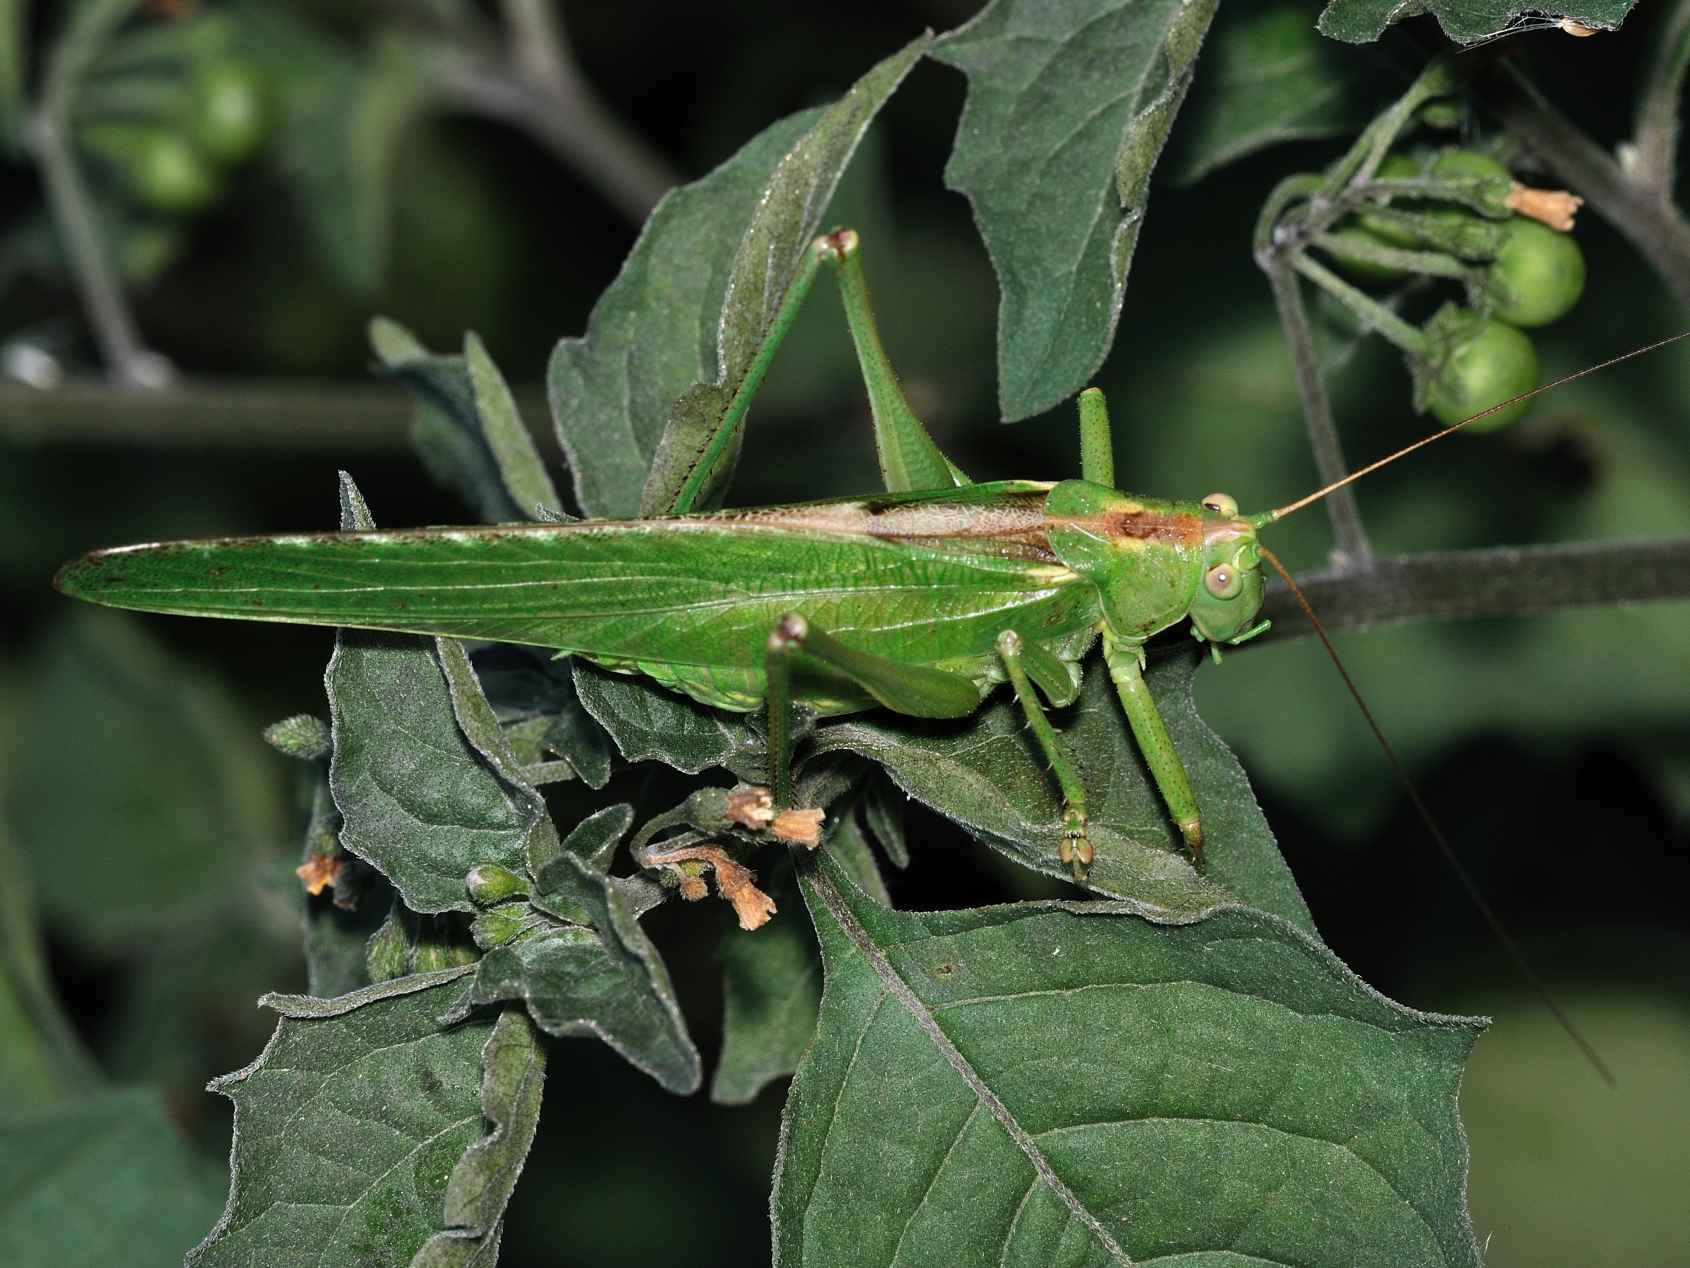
x=1554, y=207
x=319, y=871
x=734, y=881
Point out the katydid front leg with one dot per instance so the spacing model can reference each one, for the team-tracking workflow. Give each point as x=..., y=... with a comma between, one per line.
x=1125, y=662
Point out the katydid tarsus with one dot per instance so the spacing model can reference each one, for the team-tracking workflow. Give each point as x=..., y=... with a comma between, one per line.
x=922, y=600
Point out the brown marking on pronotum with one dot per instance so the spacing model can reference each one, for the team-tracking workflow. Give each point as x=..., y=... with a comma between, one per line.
x=1152, y=526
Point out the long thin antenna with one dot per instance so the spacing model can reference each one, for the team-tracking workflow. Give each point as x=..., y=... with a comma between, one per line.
x=1454, y=860
x=1281, y=512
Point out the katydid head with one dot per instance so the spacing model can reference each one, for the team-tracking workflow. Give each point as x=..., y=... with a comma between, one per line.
x=1229, y=597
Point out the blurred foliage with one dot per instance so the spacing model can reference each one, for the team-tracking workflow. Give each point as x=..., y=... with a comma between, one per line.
x=1556, y=750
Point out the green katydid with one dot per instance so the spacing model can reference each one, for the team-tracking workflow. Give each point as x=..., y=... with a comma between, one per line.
x=922, y=600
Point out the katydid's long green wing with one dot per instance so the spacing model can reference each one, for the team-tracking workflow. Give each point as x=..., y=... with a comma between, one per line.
x=919, y=579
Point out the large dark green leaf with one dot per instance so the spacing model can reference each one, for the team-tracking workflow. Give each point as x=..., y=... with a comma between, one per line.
x=987, y=774
x=1268, y=76
x=654, y=332
x=786, y=219
x=1068, y=1083
x=1464, y=21
x=1068, y=106
x=360, y=1132
x=416, y=772
x=107, y=1180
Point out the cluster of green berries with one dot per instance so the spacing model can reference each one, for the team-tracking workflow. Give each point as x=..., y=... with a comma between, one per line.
x=172, y=148
x=1505, y=242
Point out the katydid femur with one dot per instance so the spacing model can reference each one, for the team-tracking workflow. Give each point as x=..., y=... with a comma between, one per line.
x=921, y=600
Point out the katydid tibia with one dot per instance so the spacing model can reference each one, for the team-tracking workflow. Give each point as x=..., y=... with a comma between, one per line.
x=921, y=600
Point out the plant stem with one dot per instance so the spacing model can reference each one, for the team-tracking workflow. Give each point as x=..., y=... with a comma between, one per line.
x=1370, y=310
x=538, y=88
x=1655, y=146
x=1351, y=549
x=109, y=317
x=1506, y=581
x=1642, y=212
x=1428, y=263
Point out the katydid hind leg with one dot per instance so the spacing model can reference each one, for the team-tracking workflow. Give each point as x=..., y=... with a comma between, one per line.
x=913, y=690
x=1151, y=733
x=909, y=460
x=1097, y=442
x=1075, y=849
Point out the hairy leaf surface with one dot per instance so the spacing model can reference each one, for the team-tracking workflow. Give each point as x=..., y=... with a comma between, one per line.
x=987, y=773
x=419, y=798
x=606, y=980
x=1069, y=104
x=359, y=1131
x=653, y=333
x=1464, y=21
x=780, y=230
x=1068, y=1083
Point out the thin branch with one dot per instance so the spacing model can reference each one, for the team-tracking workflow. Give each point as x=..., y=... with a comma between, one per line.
x=1641, y=212
x=109, y=316
x=538, y=88
x=260, y=415
x=1655, y=146
x=1506, y=581
x=1351, y=549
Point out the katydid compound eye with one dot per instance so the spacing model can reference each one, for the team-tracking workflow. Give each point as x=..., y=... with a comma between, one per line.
x=1223, y=581
x=1221, y=504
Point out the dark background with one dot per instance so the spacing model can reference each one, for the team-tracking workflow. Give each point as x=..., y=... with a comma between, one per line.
x=161, y=834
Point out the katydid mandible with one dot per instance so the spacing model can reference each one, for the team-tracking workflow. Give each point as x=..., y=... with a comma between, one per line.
x=922, y=600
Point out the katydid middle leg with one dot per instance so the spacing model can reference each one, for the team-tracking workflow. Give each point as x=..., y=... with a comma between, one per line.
x=1075, y=849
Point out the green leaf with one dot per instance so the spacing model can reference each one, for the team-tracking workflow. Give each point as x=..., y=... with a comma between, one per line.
x=1464, y=21
x=41, y=1058
x=653, y=333
x=526, y=479
x=534, y=696
x=786, y=219
x=513, y=1073
x=652, y=723
x=987, y=774
x=359, y=1129
x=606, y=981
x=1068, y=106
x=1268, y=76
x=468, y=428
x=107, y=1180
x=1067, y=1083
x=131, y=743
x=771, y=991
x=342, y=117
x=423, y=790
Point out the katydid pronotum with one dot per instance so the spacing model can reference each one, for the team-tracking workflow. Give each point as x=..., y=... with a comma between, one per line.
x=921, y=600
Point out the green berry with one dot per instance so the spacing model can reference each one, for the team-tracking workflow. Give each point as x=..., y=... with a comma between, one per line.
x=1481, y=362
x=1537, y=275
x=229, y=117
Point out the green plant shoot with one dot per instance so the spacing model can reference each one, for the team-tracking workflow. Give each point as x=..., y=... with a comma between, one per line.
x=922, y=599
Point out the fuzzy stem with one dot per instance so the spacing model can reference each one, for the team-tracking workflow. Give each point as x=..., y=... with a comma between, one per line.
x=1351, y=548
x=1370, y=310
